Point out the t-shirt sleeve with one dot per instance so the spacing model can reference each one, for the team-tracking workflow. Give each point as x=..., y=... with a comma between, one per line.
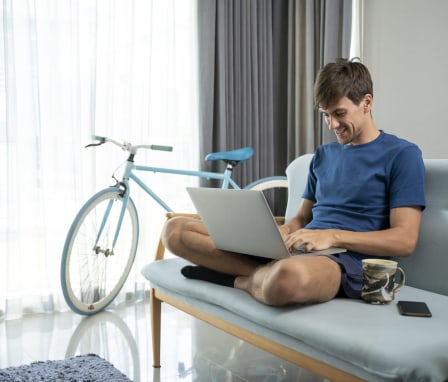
x=310, y=188
x=407, y=179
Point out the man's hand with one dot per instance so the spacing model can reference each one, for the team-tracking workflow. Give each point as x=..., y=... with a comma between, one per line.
x=311, y=239
x=284, y=231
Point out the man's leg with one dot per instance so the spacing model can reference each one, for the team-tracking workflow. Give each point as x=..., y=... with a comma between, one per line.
x=299, y=279
x=188, y=238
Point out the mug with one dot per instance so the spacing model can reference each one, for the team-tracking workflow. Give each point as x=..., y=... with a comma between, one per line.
x=379, y=280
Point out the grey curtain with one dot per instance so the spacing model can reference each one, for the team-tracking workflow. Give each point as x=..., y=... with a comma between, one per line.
x=258, y=60
x=319, y=32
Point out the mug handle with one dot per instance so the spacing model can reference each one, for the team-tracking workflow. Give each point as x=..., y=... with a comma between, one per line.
x=402, y=280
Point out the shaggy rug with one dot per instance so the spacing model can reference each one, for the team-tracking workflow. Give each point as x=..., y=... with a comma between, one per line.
x=83, y=368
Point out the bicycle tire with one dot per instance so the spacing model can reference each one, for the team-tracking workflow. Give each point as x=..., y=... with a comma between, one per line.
x=275, y=190
x=91, y=274
x=268, y=183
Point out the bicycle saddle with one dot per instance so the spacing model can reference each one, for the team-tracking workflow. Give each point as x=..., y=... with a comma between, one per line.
x=238, y=155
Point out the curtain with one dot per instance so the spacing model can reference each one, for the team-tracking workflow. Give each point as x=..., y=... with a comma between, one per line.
x=70, y=70
x=236, y=88
x=319, y=32
x=259, y=59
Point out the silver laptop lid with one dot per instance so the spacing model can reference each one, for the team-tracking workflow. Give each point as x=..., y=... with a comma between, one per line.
x=239, y=221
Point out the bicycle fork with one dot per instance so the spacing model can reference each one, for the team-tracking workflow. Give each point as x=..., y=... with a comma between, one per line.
x=125, y=195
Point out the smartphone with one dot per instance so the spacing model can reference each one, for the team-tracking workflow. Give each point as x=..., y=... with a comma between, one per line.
x=413, y=308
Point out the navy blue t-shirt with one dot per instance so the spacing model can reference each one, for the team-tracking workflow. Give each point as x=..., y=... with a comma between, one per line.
x=354, y=187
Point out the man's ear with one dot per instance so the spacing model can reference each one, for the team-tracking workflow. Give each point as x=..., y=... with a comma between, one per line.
x=367, y=103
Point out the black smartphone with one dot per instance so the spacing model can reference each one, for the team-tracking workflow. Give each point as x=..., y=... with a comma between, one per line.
x=413, y=308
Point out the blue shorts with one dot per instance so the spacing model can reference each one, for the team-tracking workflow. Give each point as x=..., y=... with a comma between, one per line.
x=351, y=275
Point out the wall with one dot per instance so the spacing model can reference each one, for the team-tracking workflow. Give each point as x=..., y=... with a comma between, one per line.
x=404, y=45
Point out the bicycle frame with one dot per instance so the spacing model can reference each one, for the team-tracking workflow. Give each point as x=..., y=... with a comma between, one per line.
x=225, y=177
x=88, y=286
x=129, y=174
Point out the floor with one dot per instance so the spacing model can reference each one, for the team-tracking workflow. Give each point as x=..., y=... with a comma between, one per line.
x=191, y=349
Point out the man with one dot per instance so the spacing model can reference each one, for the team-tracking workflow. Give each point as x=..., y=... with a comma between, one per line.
x=365, y=193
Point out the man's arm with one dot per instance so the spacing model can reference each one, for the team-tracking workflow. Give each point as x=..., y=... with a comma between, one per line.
x=398, y=240
x=300, y=220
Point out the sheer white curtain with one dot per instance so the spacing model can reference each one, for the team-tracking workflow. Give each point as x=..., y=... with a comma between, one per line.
x=68, y=70
x=357, y=29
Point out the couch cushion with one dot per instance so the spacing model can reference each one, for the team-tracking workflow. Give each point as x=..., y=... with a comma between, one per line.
x=371, y=342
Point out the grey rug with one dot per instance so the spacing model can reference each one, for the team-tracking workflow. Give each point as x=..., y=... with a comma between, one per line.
x=84, y=368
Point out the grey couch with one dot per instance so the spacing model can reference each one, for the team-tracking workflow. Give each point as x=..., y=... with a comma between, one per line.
x=342, y=340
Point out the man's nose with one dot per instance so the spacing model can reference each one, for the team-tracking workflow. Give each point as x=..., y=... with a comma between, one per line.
x=332, y=122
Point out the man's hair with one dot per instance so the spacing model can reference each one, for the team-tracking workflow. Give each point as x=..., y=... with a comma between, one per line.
x=342, y=78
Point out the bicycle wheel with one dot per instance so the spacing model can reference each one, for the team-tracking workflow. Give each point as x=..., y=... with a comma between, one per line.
x=275, y=190
x=92, y=272
x=268, y=183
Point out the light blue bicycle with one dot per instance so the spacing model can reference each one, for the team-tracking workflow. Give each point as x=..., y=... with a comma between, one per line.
x=102, y=241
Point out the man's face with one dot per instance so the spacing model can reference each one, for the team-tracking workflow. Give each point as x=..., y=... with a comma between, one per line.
x=348, y=120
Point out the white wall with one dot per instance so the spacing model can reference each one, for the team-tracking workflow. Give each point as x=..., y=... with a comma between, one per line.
x=405, y=46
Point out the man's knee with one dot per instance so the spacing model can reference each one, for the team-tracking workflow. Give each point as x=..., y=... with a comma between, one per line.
x=307, y=280
x=172, y=233
x=285, y=284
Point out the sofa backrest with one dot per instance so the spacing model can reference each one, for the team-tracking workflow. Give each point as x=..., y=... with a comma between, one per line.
x=427, y=268
x=297, y=174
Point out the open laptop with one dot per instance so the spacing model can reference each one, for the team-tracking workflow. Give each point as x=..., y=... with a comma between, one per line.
x=241, y=221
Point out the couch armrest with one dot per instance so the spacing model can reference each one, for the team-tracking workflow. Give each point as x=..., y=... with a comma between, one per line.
x=279, y=219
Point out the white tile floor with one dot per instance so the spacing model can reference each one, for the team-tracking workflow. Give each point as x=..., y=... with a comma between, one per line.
x=191, y=350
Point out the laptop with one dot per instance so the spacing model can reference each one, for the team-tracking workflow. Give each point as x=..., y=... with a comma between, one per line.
x=241, y=221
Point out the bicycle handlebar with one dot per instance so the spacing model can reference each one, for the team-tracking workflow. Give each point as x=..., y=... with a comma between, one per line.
x=127, y=146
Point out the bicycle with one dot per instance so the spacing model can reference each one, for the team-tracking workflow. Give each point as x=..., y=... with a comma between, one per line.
x=101, y=243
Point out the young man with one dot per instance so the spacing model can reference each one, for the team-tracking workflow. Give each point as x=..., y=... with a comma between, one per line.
x=365, y=193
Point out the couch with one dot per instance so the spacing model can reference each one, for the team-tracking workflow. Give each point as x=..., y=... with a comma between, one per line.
x=343, y=339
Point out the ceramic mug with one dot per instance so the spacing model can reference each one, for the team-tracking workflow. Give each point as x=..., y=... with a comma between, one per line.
x=379, y=280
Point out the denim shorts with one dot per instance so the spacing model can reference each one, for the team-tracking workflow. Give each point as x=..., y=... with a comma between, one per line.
x=351, y=275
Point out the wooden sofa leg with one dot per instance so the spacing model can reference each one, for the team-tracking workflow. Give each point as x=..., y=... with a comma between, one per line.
x=155, y=312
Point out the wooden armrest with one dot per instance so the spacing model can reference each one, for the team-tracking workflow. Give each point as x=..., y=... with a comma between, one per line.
x=170, y=215
x=279, y=219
